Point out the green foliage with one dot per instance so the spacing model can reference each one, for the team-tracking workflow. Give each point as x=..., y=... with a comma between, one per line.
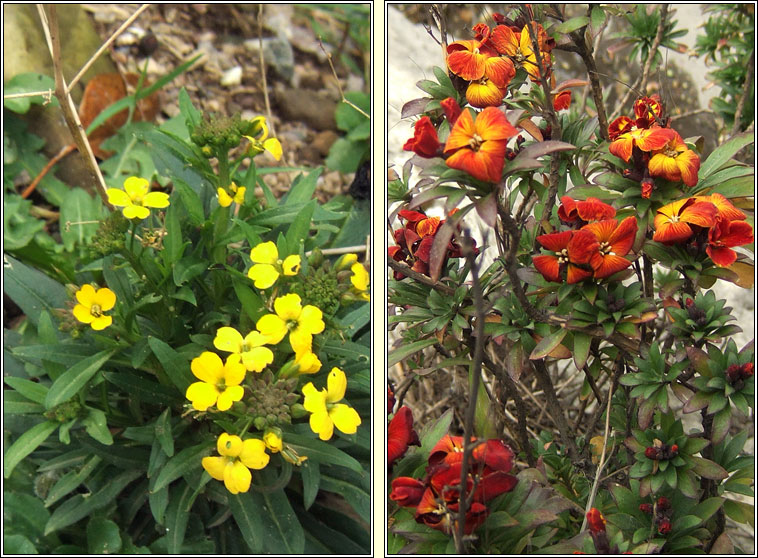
x=348, y=152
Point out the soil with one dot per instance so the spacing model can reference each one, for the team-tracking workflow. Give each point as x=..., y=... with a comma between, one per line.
x=302, y=89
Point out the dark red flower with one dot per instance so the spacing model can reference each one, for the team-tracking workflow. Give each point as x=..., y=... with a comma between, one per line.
x=664, y=526
x=400, y=435
x=407, y=491
x=572, y=252
x=562, y=100
x=595, y=521
x=663, y=503
x=452, y=110
x=390, y=400
x=583, y=212
x=425, y=142
x=652, y=453
x=646, y=508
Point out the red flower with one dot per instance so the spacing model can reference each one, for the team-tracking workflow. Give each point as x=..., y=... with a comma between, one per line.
x=572, y=249
x=664, y=526
x=615, y=240
x=400, y=435
x=675, y=161
x=478, y=146
x=723, y=236
x=595, y=521
x=646, y=508
x=424, y=142
x=390, y=400
x=407, y=491
x=591, y=209
x=648, y=109
x=724, y=206
x=673, y=222
x=452, y=110
x=562, y=100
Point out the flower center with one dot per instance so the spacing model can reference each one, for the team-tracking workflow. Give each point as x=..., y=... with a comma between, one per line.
x=476, y=142
x=605, y=248
x=563, y=256
x=673, y=153
x=96, y=310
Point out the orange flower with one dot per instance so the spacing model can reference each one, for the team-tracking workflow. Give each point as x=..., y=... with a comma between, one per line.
x=724, y=206
x=675, y=161
x=591, y=209
x=452, y=110
x=645, y=139
x=424, y=142
x=478, y=146
x=518, y=46
x=648, y=108
x=571, y=250
x=473, y=60
x=562, y=100
x=723, y=236
x=673, y=221
x=615, y=240
x=485, y=93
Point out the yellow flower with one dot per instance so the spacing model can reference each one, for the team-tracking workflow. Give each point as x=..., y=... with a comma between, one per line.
x=220, y=383
x=307, y=362
x=360, y=280
x=326, y=413
x=267, y=265
x=135, y=198
x=273, y=440
x=345, y=261
x=254, y=355
x=92, y=304
x=261, y=144
x=301, y=322
x=225, y=200
x=237, y=458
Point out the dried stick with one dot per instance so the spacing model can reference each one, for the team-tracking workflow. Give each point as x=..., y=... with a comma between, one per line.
x=555, y=409
x=67, y=104
x=603, y=461
x=642, y=80
x=263, y=69
x=420, y=277
x=106, y=44
x=337, y=81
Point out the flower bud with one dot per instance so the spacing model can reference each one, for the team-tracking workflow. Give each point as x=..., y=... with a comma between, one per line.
x=345, y=261
x=646, y=508
x=298, y=411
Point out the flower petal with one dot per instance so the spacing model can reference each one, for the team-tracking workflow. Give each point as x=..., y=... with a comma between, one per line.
x=314, y=400
x=156, y=199
x=611, y=264
x=118, y=198
x=202, y=395
x=263, y=275
x=101, y=322
x=106, y=298
x=215, y=466
x=555, y=242
x=272, y=327
x=82, y=313
x=288, y=307
x=256, y=359
x=548, y=266
x=291, y=265
x=228, y=339
x=264, y=253
x=486, y=94
x=345, y=418
x=208, y=367
x=237, y=478
x=311, y=319
x=322, y=425
x=254, y=454
x=462, y=132
x=336, y=384
x=492, y=124
x=136, y=187
x=86, y=295
x=136, y=212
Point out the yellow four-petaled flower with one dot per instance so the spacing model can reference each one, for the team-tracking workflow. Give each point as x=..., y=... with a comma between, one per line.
x=92, y=305
x=326, y=413
x=302, y=322
x=237, y=458
x=250, y=348
x=136, y=198
x=237, y=195
x=267, y=267
x=219, y=382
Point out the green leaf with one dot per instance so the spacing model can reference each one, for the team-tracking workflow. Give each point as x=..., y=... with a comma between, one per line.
x=180, y=464
x=191, y=202
x=571, y=25
x=597, y=17
x=103, y=536
x=404, y=351
x=723, y=153
x=67, y=354
x=436, y=431
x=247, y=514
x=18, y=544
x=173, y=246
x=707, y=508
x=346, y=155
x=16, y=404
x=142, y=389
x=23, y=514
x=71, y=480
x=302, y=188
x=547, y=344
x=32, y=290
x=358, y=499
x=177, y=516
x=685, y=522
x=299, y=229
x=708, y=469
x=31, y=390
x=96, y=425
x=581, y=349
x=28, y=82
x=252, y=303
x=26, y=444
x=77, y=209
x=282, y=531
x=322, y=452
x=78, y=507
x=310, y=473
x=192, y=115
x=174, y=365
x=75, y=378
x=163, y=432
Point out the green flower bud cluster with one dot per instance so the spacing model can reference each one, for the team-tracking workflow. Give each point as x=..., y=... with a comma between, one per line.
x=320, y=288
x=110, y=235
x=65, y=411
x=271, y=400
x=221, y=132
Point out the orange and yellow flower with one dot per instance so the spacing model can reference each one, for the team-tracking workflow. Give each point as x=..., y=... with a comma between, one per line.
x=518, y=47
x=572, y=251
x=673, y=222
x=723, y=236
x=628, y=136
x=478, y=146
x=424, y=142
x=562, y=100
x=675, y=162
x=615, y=241
x=725, y=208
x=473, y=60
x=591, y=209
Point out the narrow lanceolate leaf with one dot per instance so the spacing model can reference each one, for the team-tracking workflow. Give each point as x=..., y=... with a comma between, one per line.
x=708, y=469
x=723, y=153
x=405, y=351
x=31, y=390
x=581, y=349
x=547, y=344
x=75, y=378
x=283, y=533
x=246, y=512
x=70, y=481
x=183, y=462
x=438, y=253
x=177, y=516
x=26, y=444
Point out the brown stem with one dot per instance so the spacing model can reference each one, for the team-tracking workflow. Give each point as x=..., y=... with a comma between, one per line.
x=641, y=82
x=743, y=97
x=554, y=407
x=476, y=371
x=420, y=277
x=65, y=150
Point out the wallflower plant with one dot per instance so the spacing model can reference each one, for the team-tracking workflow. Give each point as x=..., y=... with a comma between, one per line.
x=161, y=371
x=555, y=259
